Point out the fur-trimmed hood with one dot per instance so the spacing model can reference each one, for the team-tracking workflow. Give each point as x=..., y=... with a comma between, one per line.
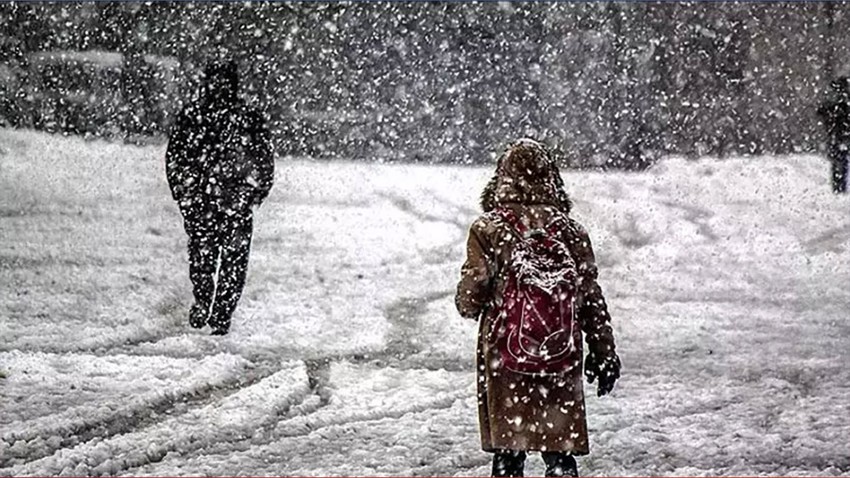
x=526, y=174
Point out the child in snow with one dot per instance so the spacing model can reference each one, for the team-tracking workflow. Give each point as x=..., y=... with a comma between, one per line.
x=530, y=279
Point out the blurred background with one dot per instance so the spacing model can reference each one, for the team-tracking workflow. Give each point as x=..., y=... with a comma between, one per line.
x=606, y=85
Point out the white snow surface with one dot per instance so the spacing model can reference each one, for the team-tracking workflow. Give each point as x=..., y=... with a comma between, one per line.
x=728, y=283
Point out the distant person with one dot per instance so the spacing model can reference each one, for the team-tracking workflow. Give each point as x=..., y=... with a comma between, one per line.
x=836, y=116
x=530, y=280
x=220, y=166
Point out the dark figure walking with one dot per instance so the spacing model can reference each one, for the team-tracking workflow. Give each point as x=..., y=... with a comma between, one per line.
x=836, y=116
x=219, y=164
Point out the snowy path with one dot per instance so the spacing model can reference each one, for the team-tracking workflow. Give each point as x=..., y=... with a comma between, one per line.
x=728, y=286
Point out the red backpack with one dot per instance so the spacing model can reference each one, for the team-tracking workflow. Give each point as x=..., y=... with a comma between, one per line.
x=538, y=333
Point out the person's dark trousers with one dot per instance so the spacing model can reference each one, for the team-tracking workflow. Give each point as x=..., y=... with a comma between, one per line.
x=839, y=172
x=560, y=464
x=219, y=247
x=508, y=463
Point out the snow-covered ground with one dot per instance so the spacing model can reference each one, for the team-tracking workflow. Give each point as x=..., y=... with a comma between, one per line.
x=728, y=281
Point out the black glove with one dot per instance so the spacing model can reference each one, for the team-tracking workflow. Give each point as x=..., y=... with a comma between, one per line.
x=606, y=370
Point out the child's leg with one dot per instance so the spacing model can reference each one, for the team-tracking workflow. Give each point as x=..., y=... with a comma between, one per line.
x=559, y=464
x=508, y=463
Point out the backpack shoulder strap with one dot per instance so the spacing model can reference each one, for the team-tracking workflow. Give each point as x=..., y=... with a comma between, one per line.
x=513, y=221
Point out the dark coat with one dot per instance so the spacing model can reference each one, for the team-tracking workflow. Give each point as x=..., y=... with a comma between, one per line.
x=219, y=157
x=521, y=412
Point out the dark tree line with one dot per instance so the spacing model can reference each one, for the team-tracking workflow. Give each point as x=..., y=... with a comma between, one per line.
x=614, y=84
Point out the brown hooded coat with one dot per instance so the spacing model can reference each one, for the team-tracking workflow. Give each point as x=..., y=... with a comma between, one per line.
x=523, y=412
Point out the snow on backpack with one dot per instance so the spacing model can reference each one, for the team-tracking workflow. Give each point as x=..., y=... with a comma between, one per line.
x=537, y=333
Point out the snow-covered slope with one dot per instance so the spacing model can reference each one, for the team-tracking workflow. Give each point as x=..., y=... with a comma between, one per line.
x=728, y=281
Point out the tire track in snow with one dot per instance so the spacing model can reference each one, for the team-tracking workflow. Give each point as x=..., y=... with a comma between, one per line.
x=237, y=416
x=399, y=352
x=37, y=442
x=304, y=425
x=832, y=240
x=403, y=316
x=40, y=441
x=109, y=346
x=302, y=419
x=366, y=394
x=166, y=309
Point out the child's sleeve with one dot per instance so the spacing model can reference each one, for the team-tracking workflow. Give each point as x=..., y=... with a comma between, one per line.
x=473, y=290
x=593, y=314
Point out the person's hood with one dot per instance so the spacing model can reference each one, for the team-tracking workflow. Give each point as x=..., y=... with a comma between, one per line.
x=221, y=82
x=526, y=174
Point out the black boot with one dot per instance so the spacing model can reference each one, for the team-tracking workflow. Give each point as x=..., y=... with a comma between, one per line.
x=560, y=464
x=198, y=315
x=508, y=463
x=220, y=323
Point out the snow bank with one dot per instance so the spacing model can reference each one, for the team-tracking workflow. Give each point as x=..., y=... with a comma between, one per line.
x=376, y=421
